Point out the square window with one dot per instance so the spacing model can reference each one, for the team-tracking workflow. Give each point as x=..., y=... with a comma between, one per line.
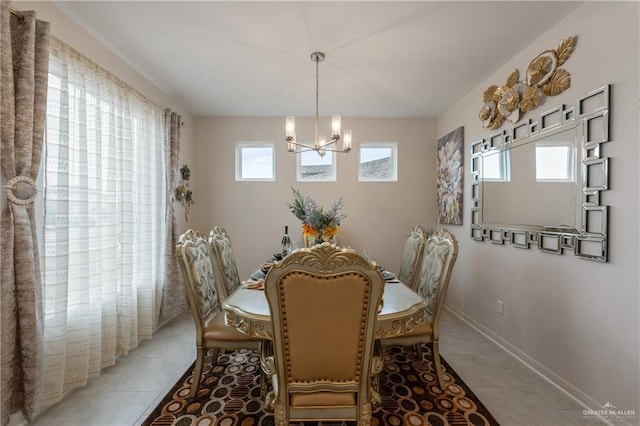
x=495, y=165
x=377, y=161
x=255, y=162
x=555, y=162
x=311, y=166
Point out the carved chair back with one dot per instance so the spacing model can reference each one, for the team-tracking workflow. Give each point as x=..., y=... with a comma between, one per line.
x=225, y=260
x=194, y=258
x=412, y=256
x=324, y=302
x=440, y=253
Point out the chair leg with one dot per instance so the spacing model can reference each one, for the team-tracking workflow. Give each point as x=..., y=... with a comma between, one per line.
x=279, y=416
x=265, y=350
x=263, y=384
x=377, y=365
x=418, y=348
x=197, y=370
x=364, y=417
x=437, y=364
x=214, y=355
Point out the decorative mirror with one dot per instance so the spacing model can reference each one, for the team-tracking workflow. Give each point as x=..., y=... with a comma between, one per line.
x=538, y=184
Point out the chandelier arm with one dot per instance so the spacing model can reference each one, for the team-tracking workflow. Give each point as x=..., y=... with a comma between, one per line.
x=304, y=145
x=337, y=150
x=316, y=146
x=307, y=149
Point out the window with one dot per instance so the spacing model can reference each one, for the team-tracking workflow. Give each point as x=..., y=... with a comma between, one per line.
x=555, y=162
x=311, y=166
x=378, y=161
x=255, y=161
x=495, y=166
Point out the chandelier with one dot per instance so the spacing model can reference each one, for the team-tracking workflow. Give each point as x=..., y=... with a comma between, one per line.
x=320, y=145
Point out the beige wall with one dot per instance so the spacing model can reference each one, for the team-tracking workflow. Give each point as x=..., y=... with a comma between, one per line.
x=576, y=321
x=255, y=213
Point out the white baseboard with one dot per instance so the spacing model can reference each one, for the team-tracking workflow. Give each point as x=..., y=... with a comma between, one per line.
x=584, y=400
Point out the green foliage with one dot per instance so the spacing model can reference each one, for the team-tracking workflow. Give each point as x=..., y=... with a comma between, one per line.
x=310, y=213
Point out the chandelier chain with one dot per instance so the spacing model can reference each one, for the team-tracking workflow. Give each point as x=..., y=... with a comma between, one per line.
x=317, y=95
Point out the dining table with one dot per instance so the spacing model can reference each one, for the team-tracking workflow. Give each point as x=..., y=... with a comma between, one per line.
x=247, y=310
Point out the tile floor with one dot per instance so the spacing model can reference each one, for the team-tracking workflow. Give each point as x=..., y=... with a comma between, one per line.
x=510, y=390
x=125, y=394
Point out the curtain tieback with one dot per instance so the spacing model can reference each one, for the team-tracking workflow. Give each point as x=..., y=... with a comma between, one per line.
x=21, y=190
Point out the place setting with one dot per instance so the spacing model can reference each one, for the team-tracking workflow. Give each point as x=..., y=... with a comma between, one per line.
x=388, y=276
x=254, y=284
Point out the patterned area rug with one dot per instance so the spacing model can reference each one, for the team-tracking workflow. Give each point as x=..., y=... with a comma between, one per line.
x=229, y=395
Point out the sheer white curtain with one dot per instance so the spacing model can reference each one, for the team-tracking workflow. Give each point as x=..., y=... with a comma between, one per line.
x=104, y=236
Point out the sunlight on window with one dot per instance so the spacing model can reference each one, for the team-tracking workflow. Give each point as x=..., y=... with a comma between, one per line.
x=377, y=161
x=255, y=162
x=495, y=166
x=554, y=163
x=313, y=167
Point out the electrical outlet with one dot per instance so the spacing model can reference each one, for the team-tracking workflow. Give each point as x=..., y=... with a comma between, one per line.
x=500, y=307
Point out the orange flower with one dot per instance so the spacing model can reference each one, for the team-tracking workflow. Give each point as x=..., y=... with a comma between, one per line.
x=308, y=230
x=329, y=232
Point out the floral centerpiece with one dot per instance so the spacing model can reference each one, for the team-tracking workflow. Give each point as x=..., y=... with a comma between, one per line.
x=318, y=225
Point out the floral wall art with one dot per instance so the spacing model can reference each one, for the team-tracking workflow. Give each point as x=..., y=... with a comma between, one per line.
x=543, y=77
x=450, y=177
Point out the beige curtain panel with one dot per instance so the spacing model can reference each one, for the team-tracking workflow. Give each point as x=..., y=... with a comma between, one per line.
x=173, y=294
x=24, y=42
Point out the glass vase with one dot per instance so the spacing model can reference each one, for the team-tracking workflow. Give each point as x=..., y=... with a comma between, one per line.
x=310, y=240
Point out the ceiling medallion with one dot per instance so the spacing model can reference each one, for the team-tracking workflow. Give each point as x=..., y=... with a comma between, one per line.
x=543, y=77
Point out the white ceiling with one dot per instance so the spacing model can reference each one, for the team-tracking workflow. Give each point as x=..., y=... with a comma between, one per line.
x=252, y=59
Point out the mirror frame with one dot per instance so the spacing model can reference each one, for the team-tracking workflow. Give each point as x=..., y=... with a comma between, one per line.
x=590, y=118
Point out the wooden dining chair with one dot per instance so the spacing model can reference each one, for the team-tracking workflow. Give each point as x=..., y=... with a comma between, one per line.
x=440, y=253
x=225, y=261
x=412, y=257
x=324, y=302
x=194, y=257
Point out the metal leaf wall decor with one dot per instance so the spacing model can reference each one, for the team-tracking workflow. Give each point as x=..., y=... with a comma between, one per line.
x=543, y=77
x=183, y=194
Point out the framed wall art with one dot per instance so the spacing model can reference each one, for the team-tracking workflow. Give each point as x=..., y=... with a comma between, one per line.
x=450, y=181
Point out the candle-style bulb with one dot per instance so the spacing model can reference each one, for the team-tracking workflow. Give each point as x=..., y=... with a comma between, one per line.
x=322, y=145
x=335, y=126
x=346, y=144
x=290, y=126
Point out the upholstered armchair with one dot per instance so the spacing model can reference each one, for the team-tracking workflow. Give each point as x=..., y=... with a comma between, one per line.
x=225, y=261
x=194, y=258
x=412, y=256
x=440, y=253
x=323, y=301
